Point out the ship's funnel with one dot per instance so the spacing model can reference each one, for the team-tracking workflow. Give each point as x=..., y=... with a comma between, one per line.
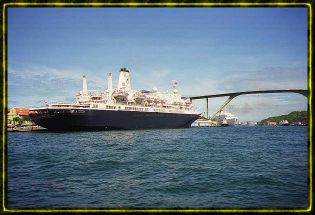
x=124, y=80
x=84, y=86
x=109, y=82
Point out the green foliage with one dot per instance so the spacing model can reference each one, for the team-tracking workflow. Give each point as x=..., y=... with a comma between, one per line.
x=295, y=116
x=26, y=118
x=18, y=120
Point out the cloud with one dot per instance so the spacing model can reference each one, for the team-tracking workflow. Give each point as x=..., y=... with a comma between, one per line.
x=159, y=78
x=250, y=104
x=43, y=72
x=201, y=86
x=28, y=85
x=28, y=82
x=268, y=78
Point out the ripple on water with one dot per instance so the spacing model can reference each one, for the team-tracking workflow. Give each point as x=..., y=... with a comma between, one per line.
x=246, y=167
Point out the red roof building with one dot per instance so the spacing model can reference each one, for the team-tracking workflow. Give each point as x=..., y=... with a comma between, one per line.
x=22, y=111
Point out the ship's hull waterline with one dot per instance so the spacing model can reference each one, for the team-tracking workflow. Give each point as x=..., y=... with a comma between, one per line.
x=91, y=119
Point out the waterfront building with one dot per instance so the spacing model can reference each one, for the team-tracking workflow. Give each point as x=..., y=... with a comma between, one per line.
x=14, y=113
x=248, y=123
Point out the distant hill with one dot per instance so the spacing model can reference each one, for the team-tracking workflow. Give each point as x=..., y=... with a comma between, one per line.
x=295, y=116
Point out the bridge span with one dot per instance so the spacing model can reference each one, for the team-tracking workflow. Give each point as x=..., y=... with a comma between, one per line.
x=235, y=94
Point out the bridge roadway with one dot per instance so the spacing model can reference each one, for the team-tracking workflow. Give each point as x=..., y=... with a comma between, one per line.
x=233, y=95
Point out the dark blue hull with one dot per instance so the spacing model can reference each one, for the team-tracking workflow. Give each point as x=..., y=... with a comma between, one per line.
x=90, y=119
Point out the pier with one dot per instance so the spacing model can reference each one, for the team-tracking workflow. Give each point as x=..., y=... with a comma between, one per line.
x=235, y=94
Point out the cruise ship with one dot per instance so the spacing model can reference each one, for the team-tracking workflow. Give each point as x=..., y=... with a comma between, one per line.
x=226, y=119
x=119, y=108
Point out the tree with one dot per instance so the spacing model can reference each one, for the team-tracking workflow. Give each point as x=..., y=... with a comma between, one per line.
x=26, y=118
x=17, y=120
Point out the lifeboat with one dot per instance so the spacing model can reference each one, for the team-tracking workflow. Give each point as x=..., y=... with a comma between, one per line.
x=139, y=98
x=96, y=98
x=120, y=96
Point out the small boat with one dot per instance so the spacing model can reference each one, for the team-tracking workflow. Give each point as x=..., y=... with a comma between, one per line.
x=284, y=123
x=224, y=123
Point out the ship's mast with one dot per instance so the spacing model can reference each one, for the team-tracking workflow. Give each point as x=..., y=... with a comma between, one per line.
x=109, y=83
x=83, y=95
x=174, y=84
x=109, y=91
x=84, y=86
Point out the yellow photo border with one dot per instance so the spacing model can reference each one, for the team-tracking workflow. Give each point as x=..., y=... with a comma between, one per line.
x=134, y=4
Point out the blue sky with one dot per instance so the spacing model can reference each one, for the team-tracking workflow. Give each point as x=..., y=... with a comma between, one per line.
x=207, y=50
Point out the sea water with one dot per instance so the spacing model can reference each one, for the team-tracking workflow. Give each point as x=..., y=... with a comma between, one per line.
x=216, y=167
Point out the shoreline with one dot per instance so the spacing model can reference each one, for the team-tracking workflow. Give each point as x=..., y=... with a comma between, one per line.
x=25, y=128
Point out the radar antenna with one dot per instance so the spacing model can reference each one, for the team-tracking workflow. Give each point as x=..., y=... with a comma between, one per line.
x=174, y=84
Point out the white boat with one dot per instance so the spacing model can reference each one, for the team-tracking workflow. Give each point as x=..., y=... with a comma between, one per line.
x=284, y=123
x=226, y=119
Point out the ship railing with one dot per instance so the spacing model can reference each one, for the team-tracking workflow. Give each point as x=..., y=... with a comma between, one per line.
x=59, y=105
x=132, y=108
x=169, y=109
x=110, y=107
x=67, y=105
x=94, y=93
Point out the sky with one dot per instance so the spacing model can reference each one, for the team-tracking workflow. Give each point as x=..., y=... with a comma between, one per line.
x=206, y=50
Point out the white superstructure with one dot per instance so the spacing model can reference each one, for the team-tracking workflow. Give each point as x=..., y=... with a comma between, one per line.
x=127, y=99
x=226, y=118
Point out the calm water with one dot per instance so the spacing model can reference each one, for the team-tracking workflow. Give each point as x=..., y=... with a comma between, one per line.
x=232, y=167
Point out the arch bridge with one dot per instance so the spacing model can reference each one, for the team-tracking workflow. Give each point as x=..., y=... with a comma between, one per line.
x=235, y=94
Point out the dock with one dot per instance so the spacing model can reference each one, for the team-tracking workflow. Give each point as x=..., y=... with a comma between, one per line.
x=25, y=128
